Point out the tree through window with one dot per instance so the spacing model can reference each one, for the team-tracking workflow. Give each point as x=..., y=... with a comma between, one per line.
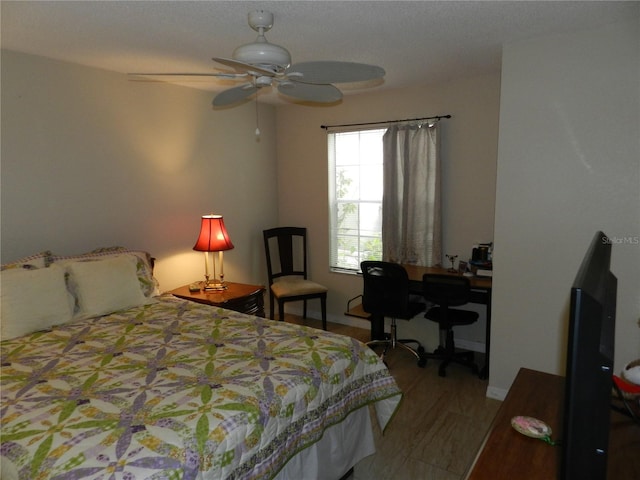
x=355, y=198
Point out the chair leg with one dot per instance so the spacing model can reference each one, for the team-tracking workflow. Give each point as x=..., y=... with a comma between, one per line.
x=447, y=351
x=323, y=307
x=393, y=342
x=402, y=344
x=450, y=346
x=271, y=305
x=387, y=342
x=281, y=310
x=375, y=343
x=442, y=369
x=393, y=336
x=304, y=309
x=419, y=346
x=442, y=347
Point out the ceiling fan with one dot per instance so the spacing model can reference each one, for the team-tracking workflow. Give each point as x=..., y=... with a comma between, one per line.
x=265, y=64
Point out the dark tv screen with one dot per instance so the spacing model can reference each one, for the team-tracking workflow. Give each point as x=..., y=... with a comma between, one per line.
x=589, y=369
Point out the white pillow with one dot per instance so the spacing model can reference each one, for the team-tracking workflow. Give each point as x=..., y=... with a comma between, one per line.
x=33, y=300
x=105, y=286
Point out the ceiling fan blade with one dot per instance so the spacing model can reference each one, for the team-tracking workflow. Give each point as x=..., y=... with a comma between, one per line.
x=180, y=74
x=244, y=67
x=229, y=75
x=324, y=72
x=234, y=95
x=310, y=92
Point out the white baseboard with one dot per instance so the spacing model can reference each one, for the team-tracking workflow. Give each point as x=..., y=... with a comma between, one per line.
x=317, y=315
x=470, y=345
x=496, y=393
x=361, y=323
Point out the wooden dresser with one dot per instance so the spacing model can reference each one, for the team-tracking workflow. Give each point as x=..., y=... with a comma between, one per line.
x=507, y=454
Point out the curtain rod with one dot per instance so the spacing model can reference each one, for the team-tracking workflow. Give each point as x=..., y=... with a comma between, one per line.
x=438, y=117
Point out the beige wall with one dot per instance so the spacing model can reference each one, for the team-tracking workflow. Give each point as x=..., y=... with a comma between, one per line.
x=568, y=165
x=469, y=152
x=92, y=159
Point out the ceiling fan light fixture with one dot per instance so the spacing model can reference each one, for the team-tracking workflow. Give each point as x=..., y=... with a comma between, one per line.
x=264, y=54
x=263, y=81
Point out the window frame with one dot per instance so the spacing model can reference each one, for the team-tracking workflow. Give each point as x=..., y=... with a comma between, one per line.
x=361, y=238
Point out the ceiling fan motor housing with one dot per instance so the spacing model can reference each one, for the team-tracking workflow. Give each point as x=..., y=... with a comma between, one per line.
x=262, y=53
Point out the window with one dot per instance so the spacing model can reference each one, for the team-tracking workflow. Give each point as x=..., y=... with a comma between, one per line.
x=355, y=198
x=407, y=154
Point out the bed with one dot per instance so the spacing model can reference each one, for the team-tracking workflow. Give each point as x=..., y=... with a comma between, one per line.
x=103, y=378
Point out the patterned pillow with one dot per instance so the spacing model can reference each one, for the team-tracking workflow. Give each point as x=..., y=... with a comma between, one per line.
x=144, y=267
x=39, y=260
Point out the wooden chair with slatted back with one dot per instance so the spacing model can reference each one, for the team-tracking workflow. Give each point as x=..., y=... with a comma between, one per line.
x=286, y=252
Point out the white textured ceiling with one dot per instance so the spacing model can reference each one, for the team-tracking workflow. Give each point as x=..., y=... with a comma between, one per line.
x=417, y=42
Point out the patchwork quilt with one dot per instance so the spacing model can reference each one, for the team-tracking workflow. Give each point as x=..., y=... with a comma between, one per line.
x=178, y=390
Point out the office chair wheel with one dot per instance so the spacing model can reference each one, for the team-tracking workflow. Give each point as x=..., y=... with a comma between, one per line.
x=422, y=361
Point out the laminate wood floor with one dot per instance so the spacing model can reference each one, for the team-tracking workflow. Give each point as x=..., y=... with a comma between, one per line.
x=439, y=425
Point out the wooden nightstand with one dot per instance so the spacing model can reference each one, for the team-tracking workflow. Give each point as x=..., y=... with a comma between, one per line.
x=240, y=297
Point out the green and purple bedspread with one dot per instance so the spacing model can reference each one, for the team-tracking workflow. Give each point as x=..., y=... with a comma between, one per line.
x=178, y=390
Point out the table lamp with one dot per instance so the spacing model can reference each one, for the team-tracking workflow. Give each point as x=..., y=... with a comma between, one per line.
x=213, y=238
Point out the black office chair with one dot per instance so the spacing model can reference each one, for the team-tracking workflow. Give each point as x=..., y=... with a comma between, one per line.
x=386, y=294
x=448, y=291
x=286, y=251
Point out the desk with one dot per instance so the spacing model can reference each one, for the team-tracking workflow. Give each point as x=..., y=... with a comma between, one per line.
x=480, y=293
x=415, y=272
x=507, y=454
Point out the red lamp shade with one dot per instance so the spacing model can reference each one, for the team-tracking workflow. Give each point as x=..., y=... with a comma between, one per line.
x=213, y=235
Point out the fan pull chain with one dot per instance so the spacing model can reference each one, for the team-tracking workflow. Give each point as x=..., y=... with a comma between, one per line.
x=257, y=126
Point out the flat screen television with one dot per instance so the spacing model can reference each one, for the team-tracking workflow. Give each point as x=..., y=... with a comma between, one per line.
x=589, y=369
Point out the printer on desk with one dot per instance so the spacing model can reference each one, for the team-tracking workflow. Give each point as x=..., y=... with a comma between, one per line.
x=481, y=260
